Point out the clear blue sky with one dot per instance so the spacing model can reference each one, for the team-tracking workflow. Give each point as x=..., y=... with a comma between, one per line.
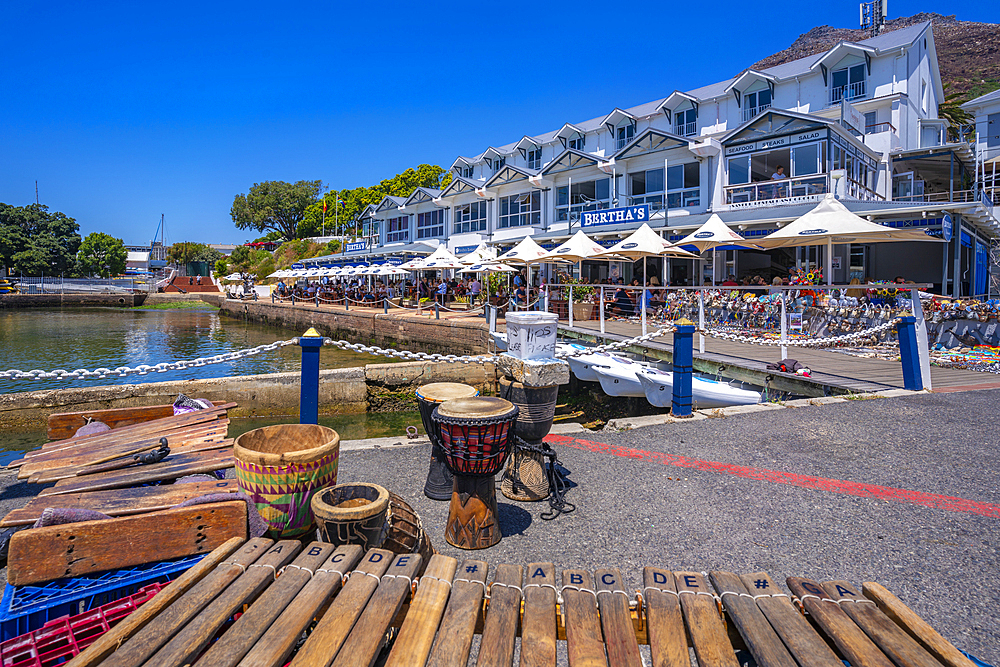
x=123, y=111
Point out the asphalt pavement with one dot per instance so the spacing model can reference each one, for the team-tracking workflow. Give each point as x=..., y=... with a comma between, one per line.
x=901, y=491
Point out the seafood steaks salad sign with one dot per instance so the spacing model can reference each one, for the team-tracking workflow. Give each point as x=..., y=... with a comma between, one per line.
x=613, y=216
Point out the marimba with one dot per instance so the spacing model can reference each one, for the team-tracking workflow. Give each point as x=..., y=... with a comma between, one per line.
x=372, y=603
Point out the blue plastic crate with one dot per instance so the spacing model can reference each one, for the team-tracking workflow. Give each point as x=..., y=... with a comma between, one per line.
x=27, y=608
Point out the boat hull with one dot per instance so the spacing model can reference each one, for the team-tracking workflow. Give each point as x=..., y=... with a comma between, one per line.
x=658, y=389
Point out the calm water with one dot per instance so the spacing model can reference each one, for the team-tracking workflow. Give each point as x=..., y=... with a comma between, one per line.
x=91, y=338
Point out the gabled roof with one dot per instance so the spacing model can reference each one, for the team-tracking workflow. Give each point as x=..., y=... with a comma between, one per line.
x=674, y=99
x=491, y=153
x=367, y=212
x=389, y=203
x=461, y=185
x=834, y=55
x=743, y=79
x=650, y=141
x=787, y=121
x=983, y=99
x=527, y=143
x=570, y=159
x=509, y=173
x=615, y=117
x=421, y=195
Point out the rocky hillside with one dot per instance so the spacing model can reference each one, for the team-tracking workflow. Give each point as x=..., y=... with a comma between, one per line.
x=968, y=52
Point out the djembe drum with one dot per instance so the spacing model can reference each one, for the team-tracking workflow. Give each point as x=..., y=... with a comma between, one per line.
x=429, y=396
x=476, y=436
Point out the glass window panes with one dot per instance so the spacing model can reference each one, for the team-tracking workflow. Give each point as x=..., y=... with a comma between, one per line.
x=805, y=160
x=397, y=229
x=470, y=217
x=520, y=210
x=577, y=142
x=430, y=224
x=586, y=196
x=739, y=169
x=535, y=159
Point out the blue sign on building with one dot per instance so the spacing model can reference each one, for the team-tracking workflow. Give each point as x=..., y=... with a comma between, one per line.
x=298, y=265
x=465, y=249
x=357, y=246
x=946, y=228
x=613, y=216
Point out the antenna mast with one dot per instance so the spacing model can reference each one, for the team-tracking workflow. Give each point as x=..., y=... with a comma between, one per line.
x=873, y=16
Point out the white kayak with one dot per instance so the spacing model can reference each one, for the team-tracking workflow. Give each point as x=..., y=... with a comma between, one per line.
x=619, y=377
x=582, y=365
x=658, y=387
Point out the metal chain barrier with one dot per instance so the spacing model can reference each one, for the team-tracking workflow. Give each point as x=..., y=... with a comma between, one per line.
x=670, y=328
x=143, y=369
x=406, y=354
x=815, y=342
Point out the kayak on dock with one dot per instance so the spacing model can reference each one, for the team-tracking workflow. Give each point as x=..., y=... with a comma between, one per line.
x=658, y=387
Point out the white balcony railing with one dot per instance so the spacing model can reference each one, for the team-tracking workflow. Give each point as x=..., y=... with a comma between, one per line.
x=852, y=91
x=777, y=189
x=751, y=112
x=686, y=129
x=622, y=142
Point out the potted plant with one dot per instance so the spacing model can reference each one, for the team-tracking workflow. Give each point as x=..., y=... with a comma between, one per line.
x=583, y=306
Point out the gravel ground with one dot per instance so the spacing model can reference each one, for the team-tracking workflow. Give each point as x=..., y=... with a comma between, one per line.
x=636, y=512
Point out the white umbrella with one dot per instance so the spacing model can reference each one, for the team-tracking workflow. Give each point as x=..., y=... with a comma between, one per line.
x=576, y=249
x=713, y=234
x=483, y=253
x=390, y=270
x=280, y=273
x=525, y=252
x=644, y=242
x=489, y=268
x=413, y=265
x=831, y=222
x=442, y=258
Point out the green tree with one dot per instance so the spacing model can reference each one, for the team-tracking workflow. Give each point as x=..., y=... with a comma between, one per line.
x=102, y=254
x=185, y=251
x=950, y=109
x=44, y=242
x=240, y=258
x=222, y=267
x=275, y=206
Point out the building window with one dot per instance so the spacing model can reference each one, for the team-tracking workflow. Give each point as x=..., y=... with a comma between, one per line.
x=370, y=229
x=578, y=142
x=848, y=84
x=624, y=134
x=498, y=164
x=782, y=173
x=754, y=103
x=430, y=224
x=470, y=217
x=397, y=229
x=871, y=122
x=535, y=159
x=683, y=185
x=685, y=123
x=588, y=196
x=467, y=171
x=647, y=188
x=520, y=210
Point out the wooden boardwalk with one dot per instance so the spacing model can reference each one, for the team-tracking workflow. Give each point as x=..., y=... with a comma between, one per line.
x=832, y=372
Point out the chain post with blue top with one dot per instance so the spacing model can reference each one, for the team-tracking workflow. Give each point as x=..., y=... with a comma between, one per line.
x=310, y=342
x=681, y=404
x=909, y=354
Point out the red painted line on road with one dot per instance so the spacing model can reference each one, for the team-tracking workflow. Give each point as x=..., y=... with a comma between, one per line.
x=967, y=387
x=948, y=503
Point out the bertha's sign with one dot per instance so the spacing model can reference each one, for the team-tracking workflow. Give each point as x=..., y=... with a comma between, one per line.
x=615, y=215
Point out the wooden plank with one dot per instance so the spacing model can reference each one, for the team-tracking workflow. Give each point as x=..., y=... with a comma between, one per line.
x=458, y=626
x=917, y=627
x=664, y=621
x=701, y=614
x=851, y=641
x=123, y=463
x=332, y=630
x=61, y=425
x=369, y=633
x=119, y=502
x=616, y=621
x=898, y=646
x=185, y=646
x=798, y=635
x=502, y=616
x=135, y=621
x=416, y=635
x=172, y=467
x=158, y=630
x=279, y=641
x=241, y=637
x=83, y=548
x=538, y=625
x=762, y=641
x=584, y=642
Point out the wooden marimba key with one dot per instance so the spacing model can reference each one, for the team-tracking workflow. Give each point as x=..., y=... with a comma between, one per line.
x=352, y=608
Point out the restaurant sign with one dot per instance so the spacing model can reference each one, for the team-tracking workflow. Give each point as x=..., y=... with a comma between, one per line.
x=776, y=142
x=614, y=216
x=357, y=246
x=465, y=249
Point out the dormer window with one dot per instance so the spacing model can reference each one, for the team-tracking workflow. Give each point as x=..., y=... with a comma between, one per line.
x=467, y=171
x=534, y=158
x=754, y=103
x=848, y=84
x=623, y=135
x=499, y=164
x=577, y=143
x=685, y=122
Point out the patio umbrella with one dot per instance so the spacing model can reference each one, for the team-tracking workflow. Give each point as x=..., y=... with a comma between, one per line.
x=442, y=258
x=831, y=222
x=489, y=268
x=483, y=253
x=525, y=252
x=576, y=249
x=413, y=265
x=712, y=234
x=643, y=243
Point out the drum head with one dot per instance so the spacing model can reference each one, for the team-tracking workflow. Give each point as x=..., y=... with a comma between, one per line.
x=475, y=408
x=439, y=392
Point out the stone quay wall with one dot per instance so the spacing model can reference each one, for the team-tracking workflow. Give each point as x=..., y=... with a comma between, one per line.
x=78, y=300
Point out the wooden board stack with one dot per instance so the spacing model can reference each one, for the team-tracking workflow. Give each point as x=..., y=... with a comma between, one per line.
x=100, y=472
x=358, y=599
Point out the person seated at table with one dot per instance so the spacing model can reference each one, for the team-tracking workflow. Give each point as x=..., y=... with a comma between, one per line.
x=622, y=303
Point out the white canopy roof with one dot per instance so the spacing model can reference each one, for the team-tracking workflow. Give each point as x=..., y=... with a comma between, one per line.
x=488, y=268
x=525, y=252
x=832, y=223
x=713, y=234
x=577, y=248
x=413, y=264
x=441, y=258
x=483, y=253
x=643, y=242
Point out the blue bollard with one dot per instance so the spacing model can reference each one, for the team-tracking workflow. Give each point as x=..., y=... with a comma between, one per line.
x=385, y=306
x=293, y=299
x=347, y=302
x=912, y=377
x=437, y=311
x=683, y=369
x=310, y=342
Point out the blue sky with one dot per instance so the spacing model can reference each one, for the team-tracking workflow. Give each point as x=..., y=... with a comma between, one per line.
x=123, y=111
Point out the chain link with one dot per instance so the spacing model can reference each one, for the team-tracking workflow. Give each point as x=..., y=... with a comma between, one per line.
x=814, y=342
x=670, y=328
x=406, y=354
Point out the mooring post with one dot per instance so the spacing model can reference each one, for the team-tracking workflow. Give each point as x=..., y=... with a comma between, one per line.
x=272, y=297
x=385, y=305
x=437, y=310
x=600, y=304
x=310, y=342
x=293, y=298
x=317, y=299
x=347, y=301
x=909, y=353
x=683, y=369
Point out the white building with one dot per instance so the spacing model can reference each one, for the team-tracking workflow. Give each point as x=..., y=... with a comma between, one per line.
x=860, y=120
